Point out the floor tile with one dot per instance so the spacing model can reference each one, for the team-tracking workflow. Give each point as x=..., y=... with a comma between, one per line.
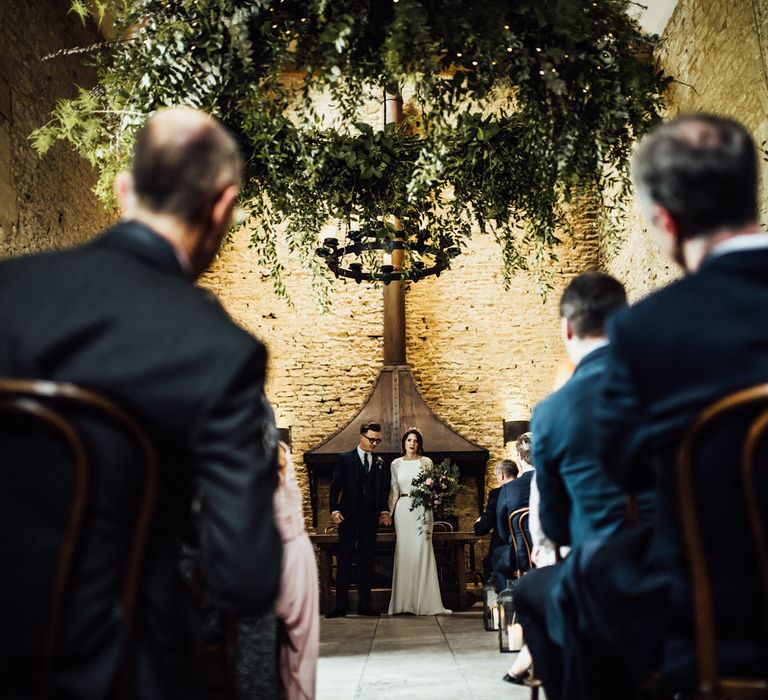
x=445, y=657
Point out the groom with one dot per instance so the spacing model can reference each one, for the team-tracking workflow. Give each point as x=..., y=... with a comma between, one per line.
x=358, y=502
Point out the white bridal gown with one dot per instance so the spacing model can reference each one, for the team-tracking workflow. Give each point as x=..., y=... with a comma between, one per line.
x=415, y=588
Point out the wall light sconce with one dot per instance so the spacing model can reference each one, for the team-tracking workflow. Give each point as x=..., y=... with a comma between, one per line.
x=513, y=429
x=284, y=434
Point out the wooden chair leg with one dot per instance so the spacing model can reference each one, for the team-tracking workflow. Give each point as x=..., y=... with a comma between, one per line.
x=533, y=683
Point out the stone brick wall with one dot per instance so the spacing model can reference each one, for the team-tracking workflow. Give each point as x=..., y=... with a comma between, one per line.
x=480, y=354
x=44, y=202
x=717, y=52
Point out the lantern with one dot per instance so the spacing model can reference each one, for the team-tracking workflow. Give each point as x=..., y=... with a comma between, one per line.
x=510, y=633
x=490, y=609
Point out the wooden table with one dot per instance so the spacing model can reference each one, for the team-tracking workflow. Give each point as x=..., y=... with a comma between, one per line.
x=327, y=546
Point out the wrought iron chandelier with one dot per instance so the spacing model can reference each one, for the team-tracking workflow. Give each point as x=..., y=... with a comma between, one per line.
x=358, y=257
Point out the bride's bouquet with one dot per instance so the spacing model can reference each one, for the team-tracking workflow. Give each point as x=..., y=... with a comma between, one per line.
x=435, y=488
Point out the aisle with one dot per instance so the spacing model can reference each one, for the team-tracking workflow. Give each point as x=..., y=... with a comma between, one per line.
x=448, y=657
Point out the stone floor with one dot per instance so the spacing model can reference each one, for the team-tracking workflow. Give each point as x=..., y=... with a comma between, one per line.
x=447, y=657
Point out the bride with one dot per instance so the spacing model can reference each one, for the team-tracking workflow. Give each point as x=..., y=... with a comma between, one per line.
x=415, y=588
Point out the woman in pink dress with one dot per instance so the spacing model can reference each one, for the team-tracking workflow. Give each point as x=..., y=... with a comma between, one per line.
x=297, y=604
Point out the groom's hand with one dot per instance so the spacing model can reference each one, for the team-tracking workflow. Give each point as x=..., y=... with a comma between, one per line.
x=385, y=519
x=336, y=517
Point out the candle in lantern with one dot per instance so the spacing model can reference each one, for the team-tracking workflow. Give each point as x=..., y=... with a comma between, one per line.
x=515, y=637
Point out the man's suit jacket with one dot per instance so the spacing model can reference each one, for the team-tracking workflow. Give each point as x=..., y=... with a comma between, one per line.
x=671, y=355
x=350, y=489
x=514, y=495
x=578, y=498
x=119, y=316
x=487, y=520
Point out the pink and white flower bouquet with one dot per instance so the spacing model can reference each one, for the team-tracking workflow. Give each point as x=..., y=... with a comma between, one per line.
x=435, y=488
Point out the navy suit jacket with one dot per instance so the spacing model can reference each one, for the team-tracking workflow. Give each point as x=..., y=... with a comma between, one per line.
x=487, y=520
x=514, y=495
x=671, y=355
x=579, y=499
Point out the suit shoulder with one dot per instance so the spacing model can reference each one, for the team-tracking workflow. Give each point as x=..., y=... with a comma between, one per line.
x=653, y=309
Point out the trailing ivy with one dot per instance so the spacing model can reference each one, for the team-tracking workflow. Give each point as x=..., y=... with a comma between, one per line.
x=518, y=106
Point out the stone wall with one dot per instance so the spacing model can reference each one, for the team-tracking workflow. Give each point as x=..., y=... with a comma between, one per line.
x=717, y=53
x=44, y=202
x=480, y=354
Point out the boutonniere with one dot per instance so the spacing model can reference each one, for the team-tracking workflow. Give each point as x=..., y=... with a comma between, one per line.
x=378, y=462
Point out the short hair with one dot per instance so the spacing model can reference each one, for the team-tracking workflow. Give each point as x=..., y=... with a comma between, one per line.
x=419, y=439
x=524, y=447
x=181, y=173
x=703, y=170
x=365, y=427
x=588, y=301
x=507, y=468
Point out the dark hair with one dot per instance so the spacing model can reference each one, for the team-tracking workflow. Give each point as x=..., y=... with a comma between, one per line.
x=182, y=173
x=588, y=301
x=703, y=170
x=507, y=468
x=524, y=448
x=419, y=439
x=365, y=427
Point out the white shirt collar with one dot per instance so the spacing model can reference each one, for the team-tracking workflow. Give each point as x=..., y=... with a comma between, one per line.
x=741, y=243
x=361, y=453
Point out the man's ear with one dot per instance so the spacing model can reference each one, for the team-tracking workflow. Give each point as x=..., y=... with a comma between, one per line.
x=566, y=328
x=126, y=197
x=664, y=221
x=221, y=213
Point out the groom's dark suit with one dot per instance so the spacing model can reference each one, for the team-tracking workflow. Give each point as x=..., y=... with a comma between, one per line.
x=360, y=497
x=119, y=316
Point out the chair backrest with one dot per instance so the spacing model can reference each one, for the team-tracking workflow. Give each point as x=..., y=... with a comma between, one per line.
x=442, y=526
x=521, y=538
x=743, y=418
x=49, y=462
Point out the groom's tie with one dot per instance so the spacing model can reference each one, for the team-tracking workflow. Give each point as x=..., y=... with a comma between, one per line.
x=366, y=463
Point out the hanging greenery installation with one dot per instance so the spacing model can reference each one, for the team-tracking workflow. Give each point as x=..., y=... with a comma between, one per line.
x=512, y=110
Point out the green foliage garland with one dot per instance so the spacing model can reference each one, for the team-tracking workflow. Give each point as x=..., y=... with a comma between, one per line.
x=519, y=106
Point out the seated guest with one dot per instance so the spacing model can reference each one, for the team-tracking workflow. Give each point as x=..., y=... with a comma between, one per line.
x=576, y=499
x=542, y=554
x=624, y=603
x=504, y=471
x=121, y=315
x=297, y=605
x=513, y=496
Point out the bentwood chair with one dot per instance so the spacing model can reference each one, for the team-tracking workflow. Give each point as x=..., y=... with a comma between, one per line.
x=50, y=474
x=741, y=420
x=520, y=536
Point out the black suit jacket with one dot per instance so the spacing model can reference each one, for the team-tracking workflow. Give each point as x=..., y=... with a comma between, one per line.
x=348, y=488
x=578, y=498
x=670, y=355
x=119, y=316
x=487, y=520
x=514, y=495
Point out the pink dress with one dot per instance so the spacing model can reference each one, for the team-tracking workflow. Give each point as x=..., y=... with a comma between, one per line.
x=298, y=604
